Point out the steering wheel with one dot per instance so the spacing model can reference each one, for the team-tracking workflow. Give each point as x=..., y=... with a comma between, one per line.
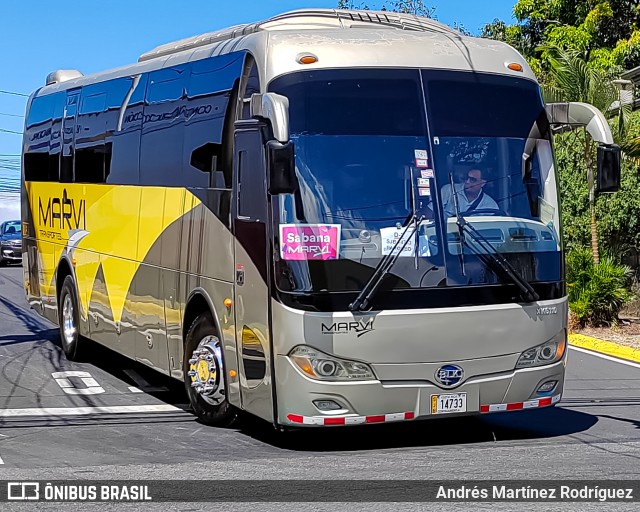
x=484, y=211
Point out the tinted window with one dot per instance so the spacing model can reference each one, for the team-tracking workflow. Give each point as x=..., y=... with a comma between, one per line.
x=90, y=147
x=251, y=188
x=40, y=141
x=38, y=135
x=122, y=147
x=163, y=127
x=483, y=105
x=215, y=75
x=208, y=99
x=41, y=110
x=353, y=102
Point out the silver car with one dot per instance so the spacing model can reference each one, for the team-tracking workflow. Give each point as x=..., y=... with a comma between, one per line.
x=10, y=242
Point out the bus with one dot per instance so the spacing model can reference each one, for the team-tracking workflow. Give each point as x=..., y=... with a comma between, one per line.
x=330, y=217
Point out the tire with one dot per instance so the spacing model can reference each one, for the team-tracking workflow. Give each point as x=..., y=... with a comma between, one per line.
x=3, y=263
x=205, y=374
x=68, y=320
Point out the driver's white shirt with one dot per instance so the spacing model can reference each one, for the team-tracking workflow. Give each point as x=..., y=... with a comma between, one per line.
x=463, y=203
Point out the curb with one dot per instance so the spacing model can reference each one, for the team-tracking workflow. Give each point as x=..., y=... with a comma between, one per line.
x=605, y=347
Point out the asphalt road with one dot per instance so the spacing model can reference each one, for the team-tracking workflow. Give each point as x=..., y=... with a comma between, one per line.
x=594, y=433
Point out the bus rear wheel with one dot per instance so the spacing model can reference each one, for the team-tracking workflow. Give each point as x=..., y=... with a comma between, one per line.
x=205, y=374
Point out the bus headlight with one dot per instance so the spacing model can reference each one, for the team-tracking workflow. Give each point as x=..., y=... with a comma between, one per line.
x=547, y=353
x=320, y=366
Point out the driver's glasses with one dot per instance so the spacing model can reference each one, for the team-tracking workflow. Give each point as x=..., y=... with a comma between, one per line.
x=471, y=179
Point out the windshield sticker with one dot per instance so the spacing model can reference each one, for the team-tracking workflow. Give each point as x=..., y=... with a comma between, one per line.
x=391, y=235
x=423, y=182
x=422, y=158
x=428, y=173
x=424, y=191
x=309, y=241
x=423, y=247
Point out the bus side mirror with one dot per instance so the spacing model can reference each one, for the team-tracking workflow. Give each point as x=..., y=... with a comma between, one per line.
x=608, y=177
x=281, y=168
x=275, y=108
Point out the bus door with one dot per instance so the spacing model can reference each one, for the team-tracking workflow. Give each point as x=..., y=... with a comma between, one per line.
x=251, y=256
x=68, y=136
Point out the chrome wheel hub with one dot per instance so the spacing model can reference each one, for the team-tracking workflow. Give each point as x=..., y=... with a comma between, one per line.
x=206, y=370
x=68, y=321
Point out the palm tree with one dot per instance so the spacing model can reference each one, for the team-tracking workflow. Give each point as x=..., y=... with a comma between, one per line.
x=571, y=79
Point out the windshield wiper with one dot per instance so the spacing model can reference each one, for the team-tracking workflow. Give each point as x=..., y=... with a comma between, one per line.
x=490, y=257
x=386, y=263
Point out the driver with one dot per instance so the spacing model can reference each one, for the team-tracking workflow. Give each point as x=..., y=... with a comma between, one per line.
x=470, y=195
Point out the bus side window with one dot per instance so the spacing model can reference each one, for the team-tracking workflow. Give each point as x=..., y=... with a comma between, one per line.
x=38, y=135
x=125, y=104
x=208, y=95
x=163, y=127
x=90, y=146
x=251, y=188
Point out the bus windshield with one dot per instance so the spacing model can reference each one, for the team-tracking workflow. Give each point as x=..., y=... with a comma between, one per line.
x=375, y=146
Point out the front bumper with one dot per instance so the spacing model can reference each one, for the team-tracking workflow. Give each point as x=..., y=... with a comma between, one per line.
x=10, y=253
x=389, y=401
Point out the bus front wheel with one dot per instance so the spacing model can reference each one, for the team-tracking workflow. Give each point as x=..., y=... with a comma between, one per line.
x=68, y=319
x=205, y=374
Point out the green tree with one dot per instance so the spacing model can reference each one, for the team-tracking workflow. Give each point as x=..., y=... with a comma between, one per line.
x=605, y=32
x=417, y=7
x=597, y=291
x=350, y=4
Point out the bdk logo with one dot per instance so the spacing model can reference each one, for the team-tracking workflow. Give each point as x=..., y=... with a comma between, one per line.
x=449, y=375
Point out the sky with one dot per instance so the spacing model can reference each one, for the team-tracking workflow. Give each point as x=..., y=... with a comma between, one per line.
x=95, y=35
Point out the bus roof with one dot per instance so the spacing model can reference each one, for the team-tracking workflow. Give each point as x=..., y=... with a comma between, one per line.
x=338, y=38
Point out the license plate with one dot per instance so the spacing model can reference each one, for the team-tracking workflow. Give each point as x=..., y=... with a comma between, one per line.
x=451, y=402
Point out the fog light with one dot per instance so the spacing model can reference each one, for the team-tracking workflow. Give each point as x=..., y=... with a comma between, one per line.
x=327, y=405
x=547, y=386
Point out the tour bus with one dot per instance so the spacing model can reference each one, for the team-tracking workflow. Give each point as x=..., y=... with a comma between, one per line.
x=330, y=217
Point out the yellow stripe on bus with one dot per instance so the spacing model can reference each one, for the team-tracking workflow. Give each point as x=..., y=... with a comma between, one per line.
x=117, y=226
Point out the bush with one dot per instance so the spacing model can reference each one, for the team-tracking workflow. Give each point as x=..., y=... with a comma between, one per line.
x=597, y=293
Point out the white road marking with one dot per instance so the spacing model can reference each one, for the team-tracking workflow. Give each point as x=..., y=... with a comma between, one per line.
x=1, y=461
x=85, y=411
x=142, y=383
x=93, y=388
x=134, y=389
x=604, y=356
